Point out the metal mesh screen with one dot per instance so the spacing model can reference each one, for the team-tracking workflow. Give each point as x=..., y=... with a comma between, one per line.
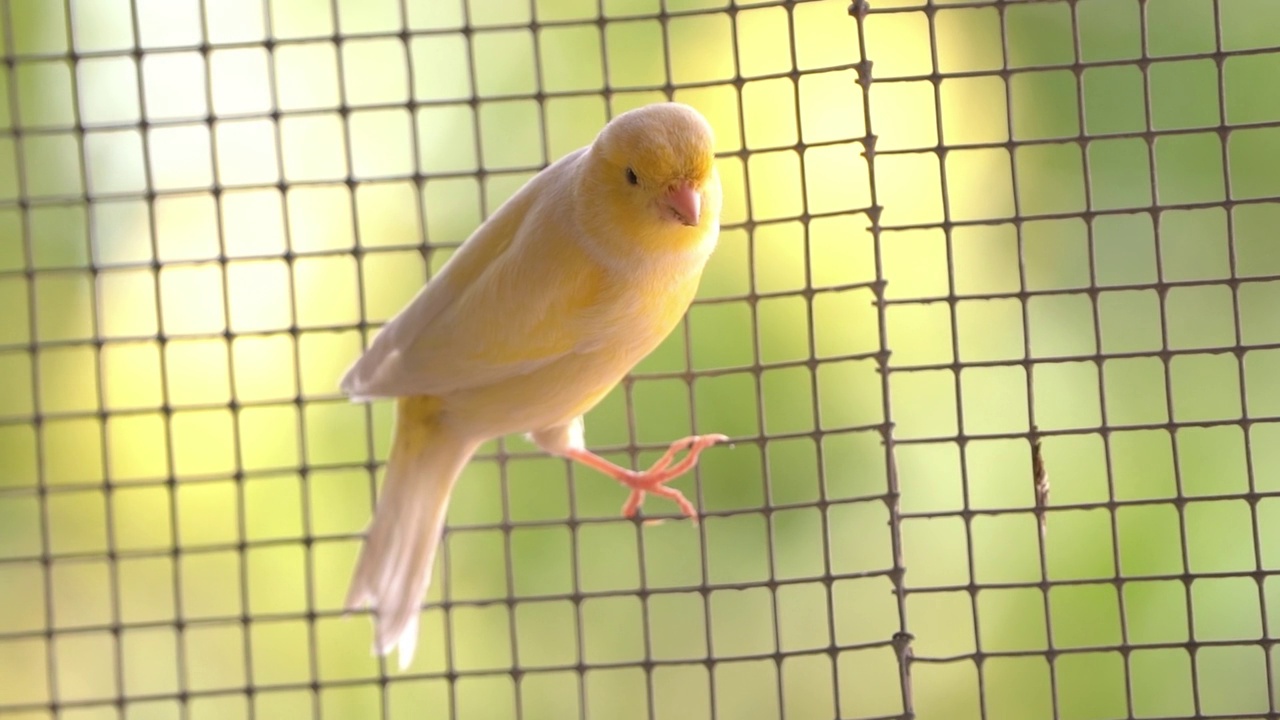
x=993, y=325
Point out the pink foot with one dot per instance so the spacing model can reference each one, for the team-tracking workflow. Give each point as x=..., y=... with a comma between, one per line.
x=654, y=479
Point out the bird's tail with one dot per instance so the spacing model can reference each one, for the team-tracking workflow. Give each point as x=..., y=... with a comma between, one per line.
x=399, y=550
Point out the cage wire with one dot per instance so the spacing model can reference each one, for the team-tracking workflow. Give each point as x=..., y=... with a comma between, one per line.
x=970, y=249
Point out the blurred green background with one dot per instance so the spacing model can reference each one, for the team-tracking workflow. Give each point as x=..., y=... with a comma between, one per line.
x=1111, y=278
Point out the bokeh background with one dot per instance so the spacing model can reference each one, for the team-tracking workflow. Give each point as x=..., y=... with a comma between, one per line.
x=1064, y=229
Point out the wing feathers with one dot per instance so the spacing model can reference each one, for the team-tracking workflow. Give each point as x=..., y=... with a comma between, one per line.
x=496, y=310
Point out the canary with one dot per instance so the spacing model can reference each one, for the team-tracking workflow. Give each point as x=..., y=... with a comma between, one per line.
x=535, y=318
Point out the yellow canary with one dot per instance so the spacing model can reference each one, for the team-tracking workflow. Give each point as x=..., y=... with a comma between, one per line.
x=539, y=314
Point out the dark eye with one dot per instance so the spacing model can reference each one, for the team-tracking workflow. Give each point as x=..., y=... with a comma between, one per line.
x=631, y=177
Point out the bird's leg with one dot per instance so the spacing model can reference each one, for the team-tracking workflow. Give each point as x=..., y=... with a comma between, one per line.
x=654, y=479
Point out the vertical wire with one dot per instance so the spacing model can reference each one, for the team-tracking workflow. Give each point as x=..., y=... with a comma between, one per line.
x=645, y=594
x=903, y=638
x=300, y=437
x=668, y=89
x=571, y=470
x=162, y=339
x=233, y=407
x=779, y=653
x=1166, y=355
x=424, y=242
x=418, y=182
x=481, y=176
x=103, y=413
x=633, y=443
x=1089, y=216
x=757, y=366
x=1024, y=298
x=503, y=459
x=33, y=346
x=633, y=434
x=1259, y=574
x=344, y=111
x=752, y=300
x=962, y=437
x=704, y=592
x=823, y=503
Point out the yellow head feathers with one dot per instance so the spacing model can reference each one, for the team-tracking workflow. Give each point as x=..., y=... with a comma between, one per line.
x=660, y=143
x=650, y=177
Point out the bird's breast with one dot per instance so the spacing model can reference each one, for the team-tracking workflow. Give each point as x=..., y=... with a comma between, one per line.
x=639, y=313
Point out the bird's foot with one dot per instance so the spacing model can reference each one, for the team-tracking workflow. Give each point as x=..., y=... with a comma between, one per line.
x=655, y=479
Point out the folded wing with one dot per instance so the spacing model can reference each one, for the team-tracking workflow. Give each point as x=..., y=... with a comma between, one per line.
x=503, y=305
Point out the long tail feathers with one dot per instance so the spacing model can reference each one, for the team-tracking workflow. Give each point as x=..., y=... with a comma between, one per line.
x=394, y=568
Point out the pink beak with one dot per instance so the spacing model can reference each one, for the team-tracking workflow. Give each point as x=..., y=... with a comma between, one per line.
x=685, y=203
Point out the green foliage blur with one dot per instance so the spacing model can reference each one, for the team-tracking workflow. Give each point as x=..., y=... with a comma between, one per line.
x=233, y=575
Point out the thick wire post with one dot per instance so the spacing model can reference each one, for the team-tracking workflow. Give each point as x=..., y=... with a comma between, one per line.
x=902, y=639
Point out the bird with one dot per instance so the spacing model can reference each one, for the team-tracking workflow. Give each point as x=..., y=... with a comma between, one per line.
x=538, y=315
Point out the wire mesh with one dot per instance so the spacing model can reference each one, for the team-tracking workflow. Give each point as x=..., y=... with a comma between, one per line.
x=972, y=251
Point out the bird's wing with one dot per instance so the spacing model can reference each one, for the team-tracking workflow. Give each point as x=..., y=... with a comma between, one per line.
x=504, y=305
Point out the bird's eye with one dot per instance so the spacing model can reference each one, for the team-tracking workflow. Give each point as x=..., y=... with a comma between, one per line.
x=631, y=177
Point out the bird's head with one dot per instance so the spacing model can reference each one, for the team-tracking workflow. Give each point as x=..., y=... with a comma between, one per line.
x=653, y=170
